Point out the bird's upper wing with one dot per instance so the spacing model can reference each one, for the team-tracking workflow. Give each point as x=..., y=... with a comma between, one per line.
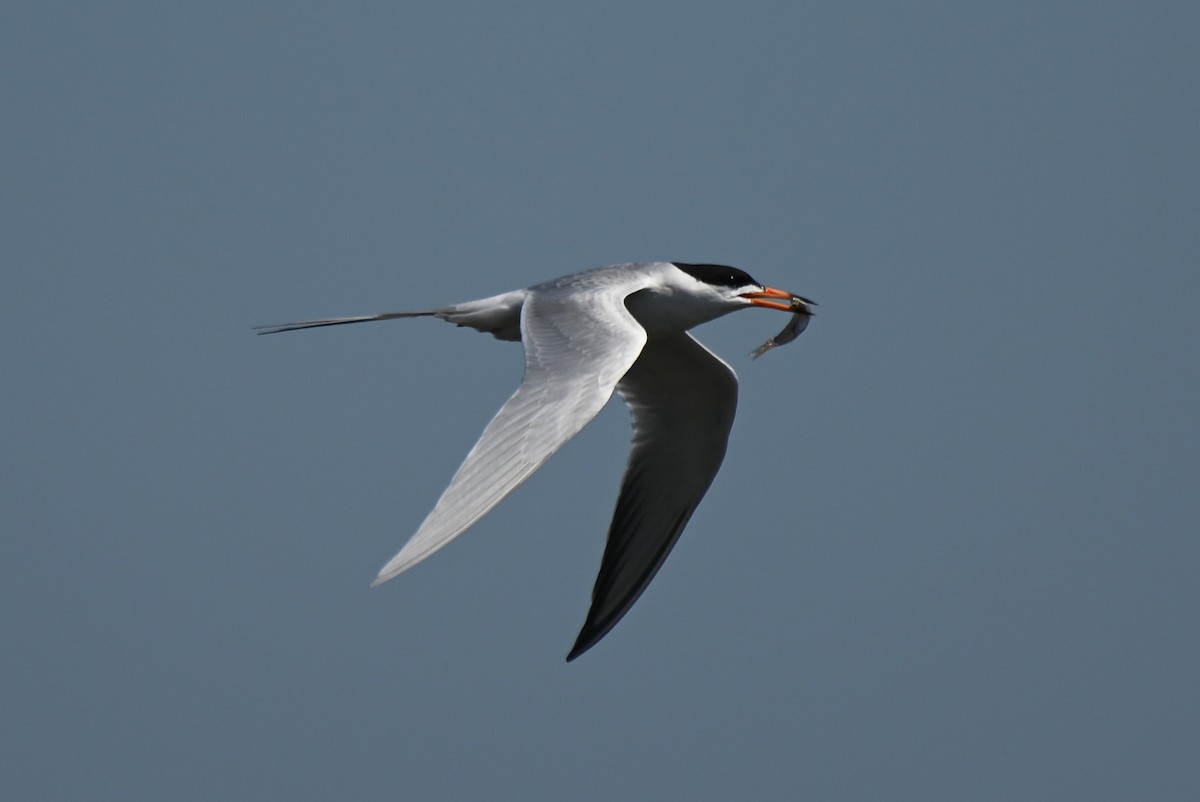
x=682, y=399
x=578, y=343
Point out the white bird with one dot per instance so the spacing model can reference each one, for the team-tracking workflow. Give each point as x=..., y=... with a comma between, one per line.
x=622, y=328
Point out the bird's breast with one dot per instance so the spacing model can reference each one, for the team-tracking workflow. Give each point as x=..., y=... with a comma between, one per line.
x=661, y=311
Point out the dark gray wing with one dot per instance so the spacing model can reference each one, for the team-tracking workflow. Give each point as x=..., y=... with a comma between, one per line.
x=682, y=399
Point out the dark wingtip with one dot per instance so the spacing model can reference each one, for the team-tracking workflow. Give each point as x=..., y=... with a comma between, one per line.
x=588, y=637
x=592, y=633
x=579, y=648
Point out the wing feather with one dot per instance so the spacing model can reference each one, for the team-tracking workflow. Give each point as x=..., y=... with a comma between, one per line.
x=577, y=346
x=682, y=399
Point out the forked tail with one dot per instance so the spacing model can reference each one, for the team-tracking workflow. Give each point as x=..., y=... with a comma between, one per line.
x=337, y=321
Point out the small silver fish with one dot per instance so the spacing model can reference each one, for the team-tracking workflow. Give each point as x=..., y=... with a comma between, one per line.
x=801, y=313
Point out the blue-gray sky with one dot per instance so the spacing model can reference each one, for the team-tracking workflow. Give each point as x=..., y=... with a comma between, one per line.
x=953, y=552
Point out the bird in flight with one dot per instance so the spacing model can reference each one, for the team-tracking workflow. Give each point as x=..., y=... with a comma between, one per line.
x=622, y=328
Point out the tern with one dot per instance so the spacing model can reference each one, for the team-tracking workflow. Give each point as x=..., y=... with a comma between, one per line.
x=624, y=328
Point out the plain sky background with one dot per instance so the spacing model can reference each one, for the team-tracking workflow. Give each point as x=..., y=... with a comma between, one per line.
x=953, y=553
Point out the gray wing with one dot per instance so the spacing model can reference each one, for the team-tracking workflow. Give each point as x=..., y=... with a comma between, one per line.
x=682, y=399
x=578, y=343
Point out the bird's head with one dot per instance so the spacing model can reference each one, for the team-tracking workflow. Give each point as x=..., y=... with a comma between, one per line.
x=738, y=289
